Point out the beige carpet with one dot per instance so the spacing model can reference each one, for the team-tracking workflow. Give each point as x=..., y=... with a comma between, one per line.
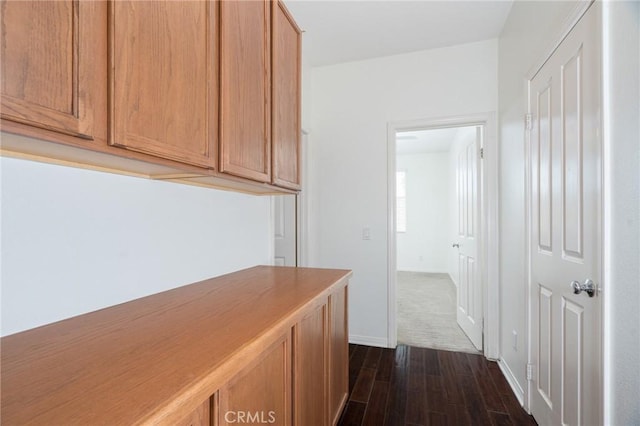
x=427, y=312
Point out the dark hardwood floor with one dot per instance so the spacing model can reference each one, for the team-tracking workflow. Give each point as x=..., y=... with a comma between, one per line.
x=419, y=386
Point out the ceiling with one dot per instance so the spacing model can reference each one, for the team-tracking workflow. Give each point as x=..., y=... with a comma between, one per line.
x=351, y=30
x=427, y=141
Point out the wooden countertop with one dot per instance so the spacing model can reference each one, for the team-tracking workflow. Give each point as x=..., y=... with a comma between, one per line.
x=154, y=359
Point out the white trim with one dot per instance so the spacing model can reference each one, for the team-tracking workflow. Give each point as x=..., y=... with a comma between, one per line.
x=489, y=222
x=302, y=204
x=607, y=213
x=527, y=250
x=392, y=331
x=271, y=231
x=570, y=21
x=379, y=342
x=511, y=379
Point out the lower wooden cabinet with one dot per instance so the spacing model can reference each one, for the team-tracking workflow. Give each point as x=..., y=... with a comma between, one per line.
x=338, y=370
x=261, y=393
x=321, y=362
x=199, y=417
x=310, y=342
x=302, y=380
x=267, y=345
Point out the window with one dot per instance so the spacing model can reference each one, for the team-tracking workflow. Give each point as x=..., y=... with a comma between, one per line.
x=401, y=201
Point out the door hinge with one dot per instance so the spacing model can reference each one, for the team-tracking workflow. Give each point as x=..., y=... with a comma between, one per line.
x=529, y=371
x=481, y=153
x=528, y=119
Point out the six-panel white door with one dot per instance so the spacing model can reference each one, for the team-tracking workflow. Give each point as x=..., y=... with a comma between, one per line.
x=469, y=312
x=284, y=230
x=565, y=232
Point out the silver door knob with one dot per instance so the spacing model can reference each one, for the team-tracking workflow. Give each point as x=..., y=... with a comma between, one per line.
x=587, y=287
x=455, y=245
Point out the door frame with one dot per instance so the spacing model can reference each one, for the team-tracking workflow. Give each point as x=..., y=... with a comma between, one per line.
x=302, y=209
x=569, y=23
x=489, y=235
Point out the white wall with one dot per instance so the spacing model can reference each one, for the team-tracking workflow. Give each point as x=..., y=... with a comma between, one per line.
x=529, y=30
x=352, y=105
x=621, y=52
x=74, y=240
x=426, y=245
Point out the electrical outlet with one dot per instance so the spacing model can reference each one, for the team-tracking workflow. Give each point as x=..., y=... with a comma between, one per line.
x=515, y=340
x=366, y=233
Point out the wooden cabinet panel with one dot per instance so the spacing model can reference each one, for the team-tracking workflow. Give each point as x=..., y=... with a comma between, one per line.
x=338, y=353
x=286, y=99
x=262, y=392
x=310, y=366
x=54, y=66
x=199, y=417
x=163, y=85
x=245, y=89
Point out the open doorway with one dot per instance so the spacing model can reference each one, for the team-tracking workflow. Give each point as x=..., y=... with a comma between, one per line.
x=459, y=258
x=439, y=297
x=290, y=217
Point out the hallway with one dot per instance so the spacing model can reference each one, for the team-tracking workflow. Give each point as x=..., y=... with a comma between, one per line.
x=427, y=312
x=417, y=386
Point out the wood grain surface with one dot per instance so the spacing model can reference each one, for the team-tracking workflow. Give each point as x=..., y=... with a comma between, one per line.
x=338, y=369
x=310, y=368
x=287, y=127
x=53, y=67
x=163, y=87
x=245, y=89
x=158, y=358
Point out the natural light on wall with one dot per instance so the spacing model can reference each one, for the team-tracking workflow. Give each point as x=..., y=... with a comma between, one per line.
x=401, y=201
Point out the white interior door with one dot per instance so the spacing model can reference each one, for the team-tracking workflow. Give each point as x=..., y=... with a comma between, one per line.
x=469, y=312
x=565, y=156
x=284, y=227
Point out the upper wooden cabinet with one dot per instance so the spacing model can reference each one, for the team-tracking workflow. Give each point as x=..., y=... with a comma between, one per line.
x=245, y=89
x=201, y=92
x=53, y=72
x=287, y=42
x=163, y=86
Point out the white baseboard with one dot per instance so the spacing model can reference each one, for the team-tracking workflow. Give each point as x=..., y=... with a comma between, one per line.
x=380, y=342
x=511, y=379
x=421, y=270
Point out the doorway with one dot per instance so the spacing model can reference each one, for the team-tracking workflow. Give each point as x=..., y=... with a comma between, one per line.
x=439, y=299
x=483, y=223
x=290, y=218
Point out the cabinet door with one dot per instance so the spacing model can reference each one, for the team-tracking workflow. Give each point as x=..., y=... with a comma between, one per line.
x=338, y=354
x=199, y=417
x=245, y=89
x=163, y=85
x=261, y=393
x=286, y=78
x=53, y=66
x=310, y=341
